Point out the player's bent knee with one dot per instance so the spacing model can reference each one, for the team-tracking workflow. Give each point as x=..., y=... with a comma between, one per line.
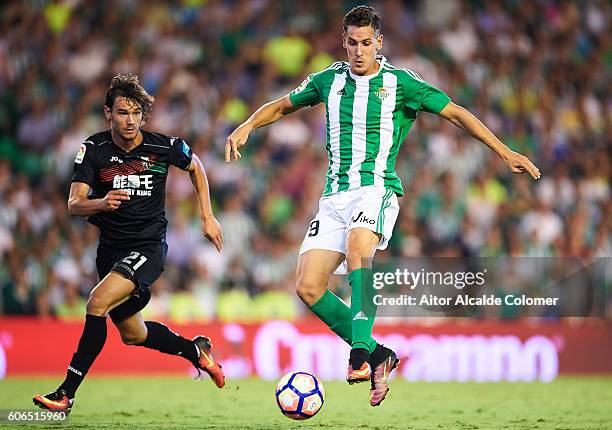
x=97, y=306
x=133, y=339
x=356, y=259
x=362, y=239
x=359, y=254
x=309, y=292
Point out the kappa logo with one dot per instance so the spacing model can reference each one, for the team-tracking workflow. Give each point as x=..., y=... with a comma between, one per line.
x=362, y=218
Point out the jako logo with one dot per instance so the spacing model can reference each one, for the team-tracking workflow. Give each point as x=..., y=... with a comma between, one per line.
x=362, y=218
x=115, y=159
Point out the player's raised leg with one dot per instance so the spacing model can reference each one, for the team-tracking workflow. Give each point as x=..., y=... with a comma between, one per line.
x=113, y=290
x=154, y=335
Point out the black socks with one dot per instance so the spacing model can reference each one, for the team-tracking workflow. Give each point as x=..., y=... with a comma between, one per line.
x=378, y=355
x=159, y=337
x=358, y=357
x=162, y=339
x=91, y=343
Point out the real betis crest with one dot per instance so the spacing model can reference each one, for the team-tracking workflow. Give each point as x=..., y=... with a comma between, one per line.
x=382, y=93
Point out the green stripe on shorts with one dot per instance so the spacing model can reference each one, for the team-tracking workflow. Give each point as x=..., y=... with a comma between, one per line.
x=383, y=206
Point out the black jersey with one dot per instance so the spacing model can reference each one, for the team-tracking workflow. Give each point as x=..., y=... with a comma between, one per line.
x=142, y=172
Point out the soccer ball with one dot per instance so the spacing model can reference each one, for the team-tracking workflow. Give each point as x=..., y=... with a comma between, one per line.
x=299, y=395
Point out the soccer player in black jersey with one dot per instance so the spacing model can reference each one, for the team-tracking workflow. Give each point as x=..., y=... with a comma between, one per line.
x=119, y=182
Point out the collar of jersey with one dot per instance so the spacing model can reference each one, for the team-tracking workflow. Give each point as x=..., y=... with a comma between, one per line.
x=381, y=61
x=110, y=139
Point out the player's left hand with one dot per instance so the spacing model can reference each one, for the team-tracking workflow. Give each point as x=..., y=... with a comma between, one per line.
x=211, y=229
x=237, y=139
x=518, y=163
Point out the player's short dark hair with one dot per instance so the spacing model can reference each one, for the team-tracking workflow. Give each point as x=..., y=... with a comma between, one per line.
x=362, y=16
x=129, y=86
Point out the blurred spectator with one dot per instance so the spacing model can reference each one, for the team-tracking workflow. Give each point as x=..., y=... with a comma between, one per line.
x=235, y=219
x=542, y=224
x=536, y=72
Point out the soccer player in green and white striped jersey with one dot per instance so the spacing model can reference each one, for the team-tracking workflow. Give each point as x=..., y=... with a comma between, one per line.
x=370, y=107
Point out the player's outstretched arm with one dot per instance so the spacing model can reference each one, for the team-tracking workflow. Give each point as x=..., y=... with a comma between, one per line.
x=211, y=229
x=265, y=115
x=465, y=120
x=80, y=205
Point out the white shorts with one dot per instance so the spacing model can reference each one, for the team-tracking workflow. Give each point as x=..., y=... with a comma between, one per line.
x=372, y=207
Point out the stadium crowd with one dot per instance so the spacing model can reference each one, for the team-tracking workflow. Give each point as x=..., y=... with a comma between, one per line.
x=534, y=71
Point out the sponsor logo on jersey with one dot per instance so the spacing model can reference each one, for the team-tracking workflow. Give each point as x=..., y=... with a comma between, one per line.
x=139, y=185
x=362, y=218
x=81, y=154
x=382, y=93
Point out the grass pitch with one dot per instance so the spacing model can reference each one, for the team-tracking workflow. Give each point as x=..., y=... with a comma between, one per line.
x=180, y=403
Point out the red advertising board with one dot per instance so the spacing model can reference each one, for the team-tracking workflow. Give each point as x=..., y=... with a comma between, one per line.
x=454, y=350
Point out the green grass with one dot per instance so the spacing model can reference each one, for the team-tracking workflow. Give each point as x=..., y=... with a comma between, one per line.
x=180, y=403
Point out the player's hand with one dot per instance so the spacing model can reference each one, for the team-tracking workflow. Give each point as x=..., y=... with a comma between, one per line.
x=518, y=163
x=211, y=229
x=113, y=200
x=237, y=139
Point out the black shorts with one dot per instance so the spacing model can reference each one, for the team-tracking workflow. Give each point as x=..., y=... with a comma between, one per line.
x=140, y=264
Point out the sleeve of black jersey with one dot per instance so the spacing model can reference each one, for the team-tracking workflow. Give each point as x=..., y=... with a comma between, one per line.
x=84, y=168
x=180, y=154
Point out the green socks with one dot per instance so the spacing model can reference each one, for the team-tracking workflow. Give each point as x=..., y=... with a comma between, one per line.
x=336, y=314
x=363, y=309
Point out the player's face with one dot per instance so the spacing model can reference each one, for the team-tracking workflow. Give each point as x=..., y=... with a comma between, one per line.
x=361, y=45
x=125, y=118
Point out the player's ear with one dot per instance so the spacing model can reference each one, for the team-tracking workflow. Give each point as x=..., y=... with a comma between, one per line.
x=344, y=39
x=379, y=42
x=107, y=113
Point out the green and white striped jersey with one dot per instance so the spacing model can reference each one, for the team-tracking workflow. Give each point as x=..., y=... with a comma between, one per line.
x=368, y=118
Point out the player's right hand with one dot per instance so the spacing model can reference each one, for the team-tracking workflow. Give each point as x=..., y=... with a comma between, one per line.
x=113, y=200
x=237, y=139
